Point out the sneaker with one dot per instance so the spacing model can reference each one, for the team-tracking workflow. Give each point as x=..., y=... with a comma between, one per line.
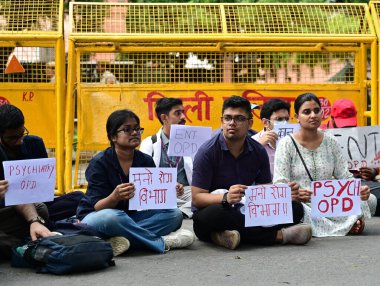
x=179, y=239
x=296, y=234
x=119, y=245
x=229, y=238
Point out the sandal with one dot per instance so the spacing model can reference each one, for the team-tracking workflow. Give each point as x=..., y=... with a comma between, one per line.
x=358, y=227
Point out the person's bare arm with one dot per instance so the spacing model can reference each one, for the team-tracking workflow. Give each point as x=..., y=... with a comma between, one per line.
x=29, y=212
x=3, y=188
x=124, y=191
x=202, y=198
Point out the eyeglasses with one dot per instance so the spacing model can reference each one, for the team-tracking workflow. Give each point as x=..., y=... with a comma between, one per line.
x=236, y=119
x=129, y=130
x=286, y=118
x=15, y=138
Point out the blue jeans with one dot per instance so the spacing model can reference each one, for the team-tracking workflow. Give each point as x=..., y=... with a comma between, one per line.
x=142, y=228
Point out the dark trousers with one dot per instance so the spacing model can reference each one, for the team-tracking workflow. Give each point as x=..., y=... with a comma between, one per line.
x=215, y=218
x=14, y=229
x=64, y=206
x=374, y=188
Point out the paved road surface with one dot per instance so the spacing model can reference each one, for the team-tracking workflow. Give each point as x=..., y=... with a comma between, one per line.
x=351, y=260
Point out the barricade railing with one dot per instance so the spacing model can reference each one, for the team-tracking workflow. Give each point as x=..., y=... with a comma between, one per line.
x=129, y=55
x=31, y=33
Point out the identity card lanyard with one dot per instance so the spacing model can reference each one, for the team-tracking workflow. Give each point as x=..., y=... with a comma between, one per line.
x=167, y=156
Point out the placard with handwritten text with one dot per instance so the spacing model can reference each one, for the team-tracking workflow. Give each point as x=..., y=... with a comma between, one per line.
x=30, y=181
x=155, y=188
x=360, y=145
x=268, y=205
x=334, y=198
x=186, y=140
x=284, y=129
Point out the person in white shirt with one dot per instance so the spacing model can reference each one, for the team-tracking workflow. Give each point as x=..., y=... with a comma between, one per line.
x=170, y=111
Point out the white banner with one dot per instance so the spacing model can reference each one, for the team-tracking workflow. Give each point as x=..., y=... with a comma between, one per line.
x=360, y=145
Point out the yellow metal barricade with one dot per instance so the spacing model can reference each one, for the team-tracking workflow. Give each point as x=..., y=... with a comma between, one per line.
x=130, y=55
x=31, y=31
x=375, y=13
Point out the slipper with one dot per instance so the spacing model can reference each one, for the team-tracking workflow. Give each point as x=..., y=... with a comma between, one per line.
x=358, y=227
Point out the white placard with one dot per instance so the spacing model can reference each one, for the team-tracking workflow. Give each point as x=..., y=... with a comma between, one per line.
x=334, y=198
x=268, y=205
x=155, y=188
x=360, y=145
x=284, y=129
x=186, y=140
x=30, y=181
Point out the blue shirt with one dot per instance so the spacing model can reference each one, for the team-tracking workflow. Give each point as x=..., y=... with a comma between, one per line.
x=103, y=174
x=216, y=168
x=32, y=147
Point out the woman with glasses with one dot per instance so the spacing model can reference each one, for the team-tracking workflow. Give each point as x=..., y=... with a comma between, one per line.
x=323, y=161
x=106, y=204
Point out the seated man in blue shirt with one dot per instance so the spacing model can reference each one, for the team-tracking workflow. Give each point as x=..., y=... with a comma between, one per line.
x=18, y=222
x=232, y=161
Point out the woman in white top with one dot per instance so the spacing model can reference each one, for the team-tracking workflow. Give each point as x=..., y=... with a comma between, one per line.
x=324, y=160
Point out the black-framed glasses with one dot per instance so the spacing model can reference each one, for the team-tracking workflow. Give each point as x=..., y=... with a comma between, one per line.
x=236, y=118
x=15, y=138
x=285, y=118
x=129, y=130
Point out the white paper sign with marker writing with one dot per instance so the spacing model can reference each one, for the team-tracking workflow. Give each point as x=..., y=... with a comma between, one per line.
x=334, y=198
x=155, y=188
x=30, y=181
x=268, y=205
x=186, y=140
x=360, y=145
x=284, y=129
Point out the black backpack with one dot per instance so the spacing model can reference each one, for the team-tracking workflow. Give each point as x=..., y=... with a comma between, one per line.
x=69, y=253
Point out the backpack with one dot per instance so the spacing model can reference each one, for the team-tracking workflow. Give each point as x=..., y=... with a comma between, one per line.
x=68, y=253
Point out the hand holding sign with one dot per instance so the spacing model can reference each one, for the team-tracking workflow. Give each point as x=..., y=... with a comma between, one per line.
x=123, y=191
x=364, y=193
x=269, y=137
x=235, y=194
x=3, y=188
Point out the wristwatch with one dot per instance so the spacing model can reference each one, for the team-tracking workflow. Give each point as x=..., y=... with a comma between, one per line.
x=225, y=202
x=37, y=219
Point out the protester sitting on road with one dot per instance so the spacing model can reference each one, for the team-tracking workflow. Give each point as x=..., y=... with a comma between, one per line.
x=273, y=112
x=324, y=159
x=344, y=115
x=25, y=146
x=250, y=132
x=20, y=221
x=170, y=111
x=232, y=161
x=106, y=204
